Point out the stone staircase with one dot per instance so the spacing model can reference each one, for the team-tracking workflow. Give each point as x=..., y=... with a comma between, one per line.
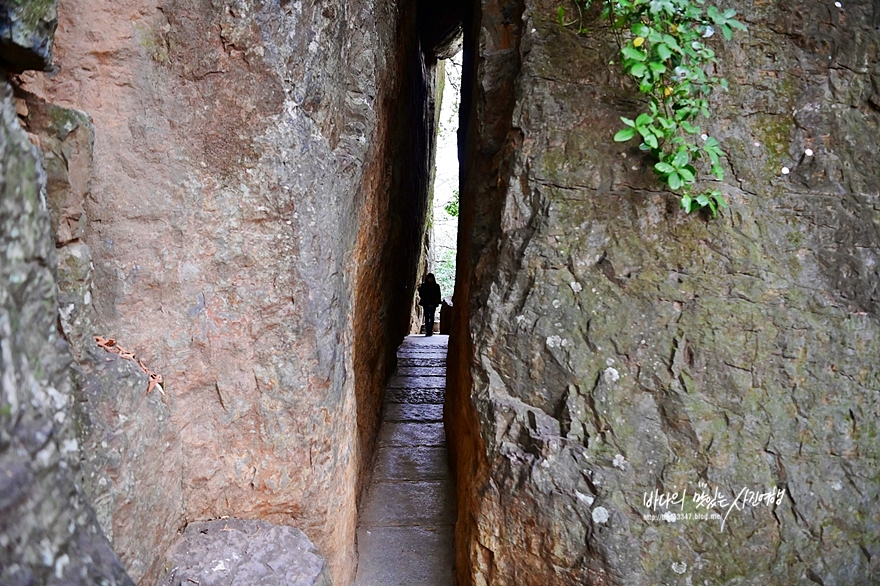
x=405, y=536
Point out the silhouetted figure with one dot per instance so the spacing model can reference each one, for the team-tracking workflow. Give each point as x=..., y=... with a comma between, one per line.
x=446, y=316
x=429, y=298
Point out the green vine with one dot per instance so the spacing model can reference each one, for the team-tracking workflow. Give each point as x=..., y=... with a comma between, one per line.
x=663, y=47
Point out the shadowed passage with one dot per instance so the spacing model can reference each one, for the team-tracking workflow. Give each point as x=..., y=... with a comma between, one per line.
x=405, y=535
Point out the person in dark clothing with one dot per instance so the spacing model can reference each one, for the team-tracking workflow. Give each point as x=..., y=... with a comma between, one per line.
x=429, y=298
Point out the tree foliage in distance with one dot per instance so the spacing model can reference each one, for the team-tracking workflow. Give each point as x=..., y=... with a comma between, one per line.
x=663, y=47
x=451, y=206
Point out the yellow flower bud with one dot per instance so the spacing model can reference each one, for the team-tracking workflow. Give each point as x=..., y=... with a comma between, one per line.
x=638, y=41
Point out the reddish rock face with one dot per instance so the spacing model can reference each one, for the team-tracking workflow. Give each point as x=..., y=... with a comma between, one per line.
x=607, y=346
x=256, y=201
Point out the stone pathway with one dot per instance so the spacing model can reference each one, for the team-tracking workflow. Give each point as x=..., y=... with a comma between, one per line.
x=405, y=536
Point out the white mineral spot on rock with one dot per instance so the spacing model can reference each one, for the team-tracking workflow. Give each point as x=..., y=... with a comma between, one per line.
x=838, y=4
x=554, y=341
x=704, y=136
x=679, y=567
x=66, y=311
x=609, y=362
x=220, y=567
x=611, y=375
x=586, y=498
x=600, y=515
x=62, y=561
x=786, y=170
x=837, y=485
x=757, y=144
x=87, y=298
x=69, y=445
x=809, y=152
x=669, y=517
x=619, y=461
x=520, y=319
x=556, y=303
x=576, y=287
x=45, y=455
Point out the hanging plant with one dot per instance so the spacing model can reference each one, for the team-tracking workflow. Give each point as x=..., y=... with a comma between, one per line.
x=664, y=48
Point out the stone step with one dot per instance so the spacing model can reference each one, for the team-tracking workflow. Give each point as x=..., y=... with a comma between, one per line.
x=409, y=361
x=420, y=371
x=400, y=503
x=423, y=382
x=412, y=463
x=427, y=412
x=405, y=556
x=408, y=433
x=415, y=396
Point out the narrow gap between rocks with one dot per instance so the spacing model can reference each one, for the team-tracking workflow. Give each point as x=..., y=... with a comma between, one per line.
x=407, y=507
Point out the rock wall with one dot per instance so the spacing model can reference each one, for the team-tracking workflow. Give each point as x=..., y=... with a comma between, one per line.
x=48, y=532
x=608, y=349
x=252, y=213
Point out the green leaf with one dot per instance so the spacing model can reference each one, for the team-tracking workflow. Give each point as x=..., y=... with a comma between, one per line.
x=624, y=134
x=681, y=158
x=641, y=30
x=638, y=70
x=727, y=32
x=560, y=15
x=674, y=181
x=633, y=53
x=643, y=119
x=657, y=67
x=686, y=203
x=627, y=121
x=651, y=141
x=686, y=175
x=666, y=123
x=689, y=128
x=664, y=168
x=663, y=51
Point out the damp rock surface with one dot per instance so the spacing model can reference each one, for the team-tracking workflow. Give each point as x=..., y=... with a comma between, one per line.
x=611, y=355
x=235, y=552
